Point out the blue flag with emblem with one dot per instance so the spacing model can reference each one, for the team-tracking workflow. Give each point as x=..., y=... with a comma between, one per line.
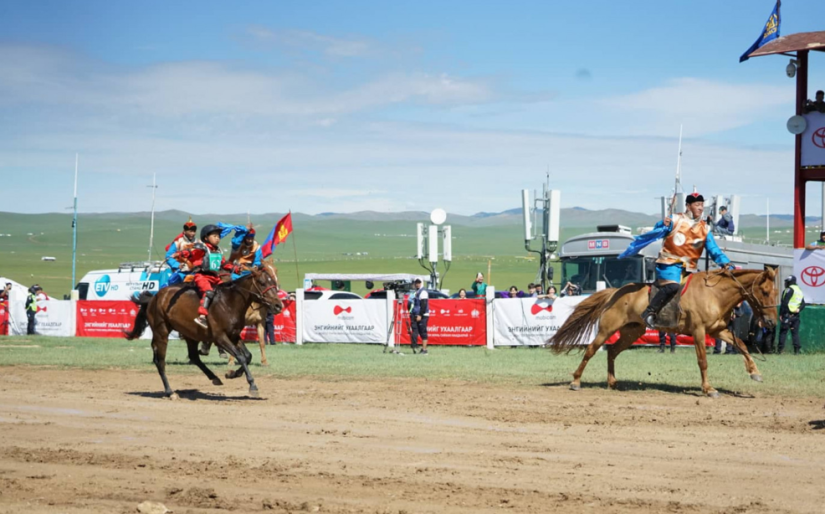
x=769, y=32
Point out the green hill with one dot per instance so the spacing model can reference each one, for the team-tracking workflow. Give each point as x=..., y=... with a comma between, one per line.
x=325, y=243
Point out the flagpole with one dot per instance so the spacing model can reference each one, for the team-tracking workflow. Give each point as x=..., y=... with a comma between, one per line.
x=154, y=187
x=295, y=251
x=74, y=226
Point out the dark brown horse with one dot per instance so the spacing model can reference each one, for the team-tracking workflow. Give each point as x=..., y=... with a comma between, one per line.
x=175, y=308
x=706, y=305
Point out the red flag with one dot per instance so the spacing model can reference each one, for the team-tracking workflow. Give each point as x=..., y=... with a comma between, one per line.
x=278, y=235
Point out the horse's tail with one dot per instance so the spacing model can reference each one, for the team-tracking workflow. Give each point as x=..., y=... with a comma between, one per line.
x=141, y=321
x=580, y=323
x=585, y=317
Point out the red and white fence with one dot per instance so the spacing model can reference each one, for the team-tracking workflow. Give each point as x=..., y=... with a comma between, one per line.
x=471, y=322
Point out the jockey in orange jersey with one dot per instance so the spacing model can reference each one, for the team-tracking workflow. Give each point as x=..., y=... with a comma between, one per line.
x=246, y=254
x=205, y=260
x=685, y=236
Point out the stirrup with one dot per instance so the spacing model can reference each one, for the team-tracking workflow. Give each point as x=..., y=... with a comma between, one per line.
x=650, y=321
x=201, y=321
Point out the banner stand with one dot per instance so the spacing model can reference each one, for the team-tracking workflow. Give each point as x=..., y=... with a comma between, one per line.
x=491, y=294
x=391, y=319
x=299, y=317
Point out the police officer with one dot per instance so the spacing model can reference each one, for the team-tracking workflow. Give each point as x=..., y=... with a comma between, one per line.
x=419, y=316
x=31, y=309
x=793, y=302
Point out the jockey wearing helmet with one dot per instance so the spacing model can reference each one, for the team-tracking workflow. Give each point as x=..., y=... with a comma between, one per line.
x=205, y=260
x=685, y=236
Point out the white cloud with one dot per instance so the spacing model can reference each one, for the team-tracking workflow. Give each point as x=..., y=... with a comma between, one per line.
x=308, y=40
x=207, y=89
x=705, y=106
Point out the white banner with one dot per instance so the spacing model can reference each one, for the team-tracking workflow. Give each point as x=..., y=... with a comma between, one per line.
x=345, y=321
x=53, y=318
x=813, y=140
x=809, y=269
x=529, y=321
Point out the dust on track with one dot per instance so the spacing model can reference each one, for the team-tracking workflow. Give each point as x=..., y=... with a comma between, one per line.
x=104, y=441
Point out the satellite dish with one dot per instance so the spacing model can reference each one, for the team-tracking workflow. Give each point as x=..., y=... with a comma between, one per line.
x=797, y=125
x=438, y=216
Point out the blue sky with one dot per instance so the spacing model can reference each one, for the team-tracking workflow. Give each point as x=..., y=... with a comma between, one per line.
x=346, y=106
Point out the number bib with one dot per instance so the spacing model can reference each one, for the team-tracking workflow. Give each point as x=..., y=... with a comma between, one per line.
x=212, y=262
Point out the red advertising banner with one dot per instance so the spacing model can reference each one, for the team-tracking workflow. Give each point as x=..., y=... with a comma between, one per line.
x=284, y=325
x=452, y=321
x=4, y=319
x=104, y=318
x=651, y=337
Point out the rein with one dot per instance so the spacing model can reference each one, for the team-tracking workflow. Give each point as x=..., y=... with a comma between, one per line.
x=750, y=297
x=259, y=295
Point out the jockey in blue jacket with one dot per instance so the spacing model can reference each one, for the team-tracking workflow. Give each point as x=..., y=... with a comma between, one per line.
x=685, y=236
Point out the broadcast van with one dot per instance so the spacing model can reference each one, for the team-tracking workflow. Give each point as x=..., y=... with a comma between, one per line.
x=128, y=279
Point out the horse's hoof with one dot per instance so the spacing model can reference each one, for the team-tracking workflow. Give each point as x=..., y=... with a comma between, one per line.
x=756, y=377
x=217, y=381
x=713, y=394
x=575, y=387
x=174, y=396
x=254, y=393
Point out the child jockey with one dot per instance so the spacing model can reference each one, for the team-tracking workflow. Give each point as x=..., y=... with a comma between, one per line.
x=205, y=259
x=183, y=241
x=246, y=252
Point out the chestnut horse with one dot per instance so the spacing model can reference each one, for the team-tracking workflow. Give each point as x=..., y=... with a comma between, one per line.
x=706, y=307
x=175, y=308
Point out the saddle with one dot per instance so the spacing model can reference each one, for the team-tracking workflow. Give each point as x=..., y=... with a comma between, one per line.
x=669, y=316
x=671, y=313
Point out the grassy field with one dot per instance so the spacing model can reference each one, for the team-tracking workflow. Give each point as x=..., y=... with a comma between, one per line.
x=104, y=241
x=322, y=247
x=637, y=369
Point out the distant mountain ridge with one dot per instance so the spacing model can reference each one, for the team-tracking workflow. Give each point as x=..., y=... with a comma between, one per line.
x=575, y=217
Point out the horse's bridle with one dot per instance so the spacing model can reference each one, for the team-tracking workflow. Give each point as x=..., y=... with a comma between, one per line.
x=259, y=294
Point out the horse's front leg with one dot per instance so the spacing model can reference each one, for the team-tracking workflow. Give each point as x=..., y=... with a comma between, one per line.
x=750, y=366
x=702, y=358
x=244, y=358
x=262, y=341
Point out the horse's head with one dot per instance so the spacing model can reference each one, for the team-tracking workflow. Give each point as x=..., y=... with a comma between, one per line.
x=265, y=280
x=764, y=294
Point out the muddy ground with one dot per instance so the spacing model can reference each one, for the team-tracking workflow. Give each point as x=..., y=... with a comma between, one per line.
x=104, y=441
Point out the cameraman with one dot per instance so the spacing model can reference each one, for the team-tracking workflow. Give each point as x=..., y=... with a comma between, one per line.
x=419, y=315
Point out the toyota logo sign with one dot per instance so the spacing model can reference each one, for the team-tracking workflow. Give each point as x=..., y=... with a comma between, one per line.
x=813, y=276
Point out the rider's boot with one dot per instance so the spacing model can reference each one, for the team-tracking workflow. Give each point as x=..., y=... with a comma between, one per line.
x=660, y=299
x=204, y=310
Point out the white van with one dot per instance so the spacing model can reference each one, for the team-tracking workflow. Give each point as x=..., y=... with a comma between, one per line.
x=122, y=283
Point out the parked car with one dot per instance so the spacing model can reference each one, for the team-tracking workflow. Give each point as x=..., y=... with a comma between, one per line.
x=470, y=294
x=330, y=295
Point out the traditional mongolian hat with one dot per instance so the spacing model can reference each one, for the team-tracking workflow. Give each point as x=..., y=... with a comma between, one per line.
x=190, y=225
x=694, y=197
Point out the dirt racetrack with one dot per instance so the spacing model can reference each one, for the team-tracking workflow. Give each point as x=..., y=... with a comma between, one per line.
x=83, y=441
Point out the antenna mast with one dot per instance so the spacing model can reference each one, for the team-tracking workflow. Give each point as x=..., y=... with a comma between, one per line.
x=152, y=223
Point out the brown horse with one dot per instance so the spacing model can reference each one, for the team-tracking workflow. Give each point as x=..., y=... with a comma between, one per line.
x=706, y=306
x=255, y=316
x=175, y=308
